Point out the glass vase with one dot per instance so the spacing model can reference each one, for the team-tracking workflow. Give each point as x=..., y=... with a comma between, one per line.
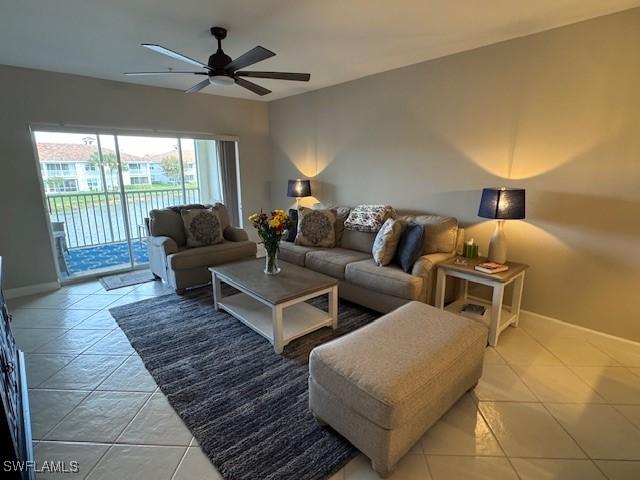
x=271, y=263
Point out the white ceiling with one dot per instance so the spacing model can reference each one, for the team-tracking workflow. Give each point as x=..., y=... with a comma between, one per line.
x=334, y=40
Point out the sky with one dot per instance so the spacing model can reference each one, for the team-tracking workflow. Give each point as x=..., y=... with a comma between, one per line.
x=138, y=146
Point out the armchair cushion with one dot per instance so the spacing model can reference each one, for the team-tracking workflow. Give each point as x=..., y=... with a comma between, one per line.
x=166, y=222
x=210, y=255
x=235, y=234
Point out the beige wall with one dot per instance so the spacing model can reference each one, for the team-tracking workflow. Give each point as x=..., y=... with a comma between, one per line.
x=557, y=113
x=44, y=97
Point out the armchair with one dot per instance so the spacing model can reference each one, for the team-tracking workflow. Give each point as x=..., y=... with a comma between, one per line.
x=181, y=267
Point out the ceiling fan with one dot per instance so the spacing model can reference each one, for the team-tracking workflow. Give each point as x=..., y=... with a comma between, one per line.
x=221, y=70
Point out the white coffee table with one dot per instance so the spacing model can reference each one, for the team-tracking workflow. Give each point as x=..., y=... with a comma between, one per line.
x=274, y=305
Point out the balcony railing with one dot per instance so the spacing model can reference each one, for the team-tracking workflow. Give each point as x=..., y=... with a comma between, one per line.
x=97, y=218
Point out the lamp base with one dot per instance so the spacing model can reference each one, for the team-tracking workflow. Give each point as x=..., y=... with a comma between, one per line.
x=498, y=244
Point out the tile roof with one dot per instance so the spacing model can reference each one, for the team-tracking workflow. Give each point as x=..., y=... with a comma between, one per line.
x=74, y=152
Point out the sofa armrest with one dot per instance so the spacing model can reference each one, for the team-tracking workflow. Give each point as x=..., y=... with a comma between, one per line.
x=167, y=244
x=426, y=263
x=425, y=267
x=235, y=234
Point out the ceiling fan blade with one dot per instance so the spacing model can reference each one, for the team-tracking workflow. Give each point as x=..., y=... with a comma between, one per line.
x=254, y=87
x=163, y=73
x=175, y=55
x=199, y=86
x=299, y=77
x=255, y=55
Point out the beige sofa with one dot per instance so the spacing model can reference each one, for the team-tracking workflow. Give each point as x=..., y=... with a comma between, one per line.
x=382, y=289
x=182, y=267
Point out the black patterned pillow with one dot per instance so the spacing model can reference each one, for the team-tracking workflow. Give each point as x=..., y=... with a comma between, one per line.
x=316, y=228
x=368, y=218
x=202, y=226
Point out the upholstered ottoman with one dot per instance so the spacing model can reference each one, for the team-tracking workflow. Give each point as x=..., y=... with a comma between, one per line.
x=384, y=385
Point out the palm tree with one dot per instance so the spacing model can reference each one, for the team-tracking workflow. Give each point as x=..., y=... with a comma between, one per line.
x=109, y=162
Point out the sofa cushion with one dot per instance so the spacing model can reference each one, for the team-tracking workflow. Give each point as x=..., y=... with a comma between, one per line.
x=439, y=233
x=316, y=228
x=166, y=222
x=390, y=280
x=360, y=241
x=292, y=253
x=387, y=370
x=202, y=227
x=211, y=255
x=223, y=215
x=332, y=261
x=368, y=218
x=386, y=242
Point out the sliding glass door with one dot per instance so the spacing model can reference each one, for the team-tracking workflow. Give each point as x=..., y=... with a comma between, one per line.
x=99, y=188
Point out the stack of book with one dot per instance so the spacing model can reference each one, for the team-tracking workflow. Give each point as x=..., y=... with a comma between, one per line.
x=491, y=267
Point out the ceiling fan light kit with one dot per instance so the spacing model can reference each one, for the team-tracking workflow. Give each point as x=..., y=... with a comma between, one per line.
x=221, y=70
x=221, y=80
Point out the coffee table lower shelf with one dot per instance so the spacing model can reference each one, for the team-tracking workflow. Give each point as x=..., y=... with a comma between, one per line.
x=296, y=320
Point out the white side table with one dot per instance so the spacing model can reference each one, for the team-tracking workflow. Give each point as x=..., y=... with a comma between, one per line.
x=498, y=316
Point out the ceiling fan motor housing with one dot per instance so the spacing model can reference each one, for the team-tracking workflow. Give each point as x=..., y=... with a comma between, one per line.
x=219, y=60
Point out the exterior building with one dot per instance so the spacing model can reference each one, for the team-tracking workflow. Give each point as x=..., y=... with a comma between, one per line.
x=67, y=167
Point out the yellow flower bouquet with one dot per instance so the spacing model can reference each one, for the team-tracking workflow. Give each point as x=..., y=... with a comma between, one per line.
x=271, y=230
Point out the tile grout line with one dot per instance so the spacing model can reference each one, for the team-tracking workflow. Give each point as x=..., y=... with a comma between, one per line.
x=73, y=357
x=88, y=392
x=497, y=439
x=180, y=462
x=144, y=404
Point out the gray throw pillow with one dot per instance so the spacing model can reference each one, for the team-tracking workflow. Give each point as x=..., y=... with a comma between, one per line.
x=386, y=242
x=202, y=226
x=316, y=228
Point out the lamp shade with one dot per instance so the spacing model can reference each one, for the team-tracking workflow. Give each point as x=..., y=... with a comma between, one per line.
x=502, y=203
x=299, y=188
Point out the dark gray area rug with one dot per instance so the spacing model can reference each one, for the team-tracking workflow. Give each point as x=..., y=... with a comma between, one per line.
x=246, y=405
x=126, y=279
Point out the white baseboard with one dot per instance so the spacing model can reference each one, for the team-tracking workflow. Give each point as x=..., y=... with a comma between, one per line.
x=31, y=289
x=567, y=324
x=578, y=327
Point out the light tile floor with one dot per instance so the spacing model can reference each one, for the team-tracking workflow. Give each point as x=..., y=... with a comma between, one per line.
x=554, y=403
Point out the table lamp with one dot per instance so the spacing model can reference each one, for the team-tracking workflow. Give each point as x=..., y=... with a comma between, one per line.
x=501, y=204
x=298, y=188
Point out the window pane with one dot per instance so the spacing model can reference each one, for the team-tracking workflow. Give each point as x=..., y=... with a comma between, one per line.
x=192, y=190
